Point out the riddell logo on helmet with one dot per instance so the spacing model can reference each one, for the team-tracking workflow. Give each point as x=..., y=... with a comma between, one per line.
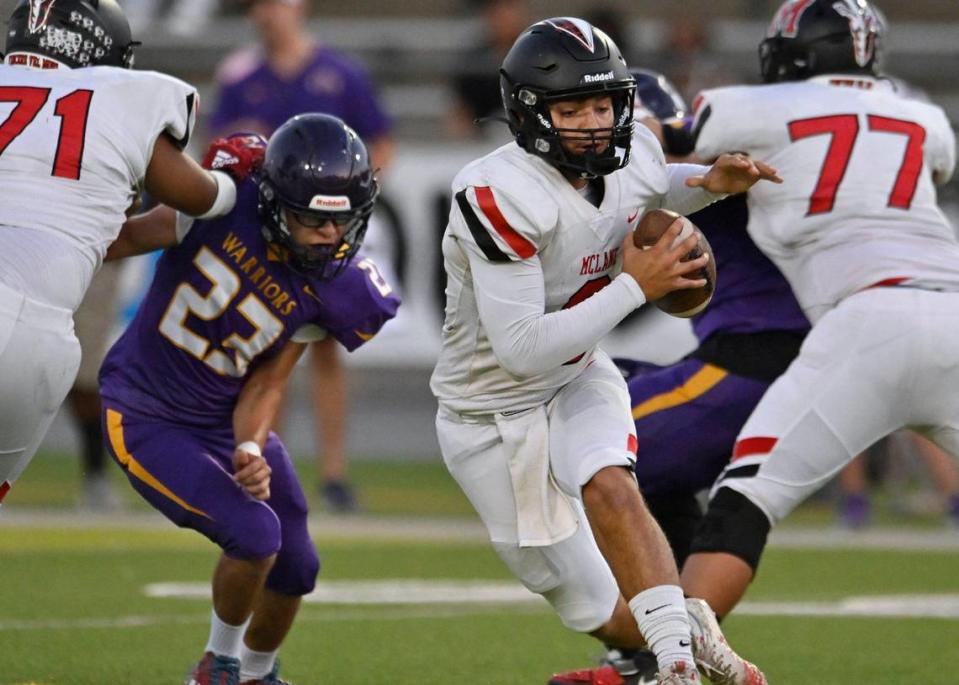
x=331, y=203
x=593, y=78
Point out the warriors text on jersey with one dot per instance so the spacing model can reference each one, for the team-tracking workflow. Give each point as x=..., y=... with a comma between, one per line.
x=220, y=302
x=500, y=353
x=74, y=147
x=858, y=203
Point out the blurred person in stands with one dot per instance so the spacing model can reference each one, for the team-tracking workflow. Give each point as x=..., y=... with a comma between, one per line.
x=534, y=419
x=289, y=72
x=81, y=135
x=475, y=81
x=191, y=388
x=748, y=335
x=94, y=322
x=858, y=234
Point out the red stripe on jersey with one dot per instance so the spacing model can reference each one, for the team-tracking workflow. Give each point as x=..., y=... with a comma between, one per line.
x=697, y=103
x=887, y=282
x=4, y=489
x=749, y=447
x=632, y=444
x=521, y=246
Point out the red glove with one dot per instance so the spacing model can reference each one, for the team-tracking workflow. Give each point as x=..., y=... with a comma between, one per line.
x=238, y=155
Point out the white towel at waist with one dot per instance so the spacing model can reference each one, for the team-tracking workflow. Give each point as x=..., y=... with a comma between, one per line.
x=544, y=513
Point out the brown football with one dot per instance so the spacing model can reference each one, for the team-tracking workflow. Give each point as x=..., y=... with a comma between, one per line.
x=682, y=303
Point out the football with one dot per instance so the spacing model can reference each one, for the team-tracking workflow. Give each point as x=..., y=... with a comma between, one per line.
x=681, y=303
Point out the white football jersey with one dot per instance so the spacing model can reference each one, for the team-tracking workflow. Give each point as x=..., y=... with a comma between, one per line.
x=511, y=207
x=74, y=148
x=857, y=205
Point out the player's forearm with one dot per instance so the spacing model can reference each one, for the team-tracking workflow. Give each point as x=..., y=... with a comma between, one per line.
x=175, y=179
x=527, y=341
x=262, y=395
x=153, y=230
x=681, y=198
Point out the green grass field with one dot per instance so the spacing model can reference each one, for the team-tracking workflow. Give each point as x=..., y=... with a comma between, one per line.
x=74, y=608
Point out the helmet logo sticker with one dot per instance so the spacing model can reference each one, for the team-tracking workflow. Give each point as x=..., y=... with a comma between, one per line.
x=333, y=203
x=786, y=21
x=39, y=15
x=593, y=78
x=863, y=25
x=577, y=28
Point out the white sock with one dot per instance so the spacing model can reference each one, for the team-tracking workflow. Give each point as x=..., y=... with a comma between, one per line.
x=661, y=614
x=255, y=665
x=225, y=639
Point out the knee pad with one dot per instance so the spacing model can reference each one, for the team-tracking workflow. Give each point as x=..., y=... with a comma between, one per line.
x=295, y=570
x=253, y=532
x=734, y=525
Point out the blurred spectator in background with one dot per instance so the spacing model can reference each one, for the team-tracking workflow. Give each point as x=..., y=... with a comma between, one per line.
x=611, y=22
x=260, y=88
x=180, y=17
x=94, y=322
x=691, y=65
x=855, y=481
x=476, y=78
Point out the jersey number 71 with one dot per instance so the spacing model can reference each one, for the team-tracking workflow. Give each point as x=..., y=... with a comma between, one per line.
x=73, y=110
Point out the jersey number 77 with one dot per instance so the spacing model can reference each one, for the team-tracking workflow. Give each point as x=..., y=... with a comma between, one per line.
x=844, y=129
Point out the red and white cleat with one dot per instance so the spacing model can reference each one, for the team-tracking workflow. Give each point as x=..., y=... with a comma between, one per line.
x=714, y=657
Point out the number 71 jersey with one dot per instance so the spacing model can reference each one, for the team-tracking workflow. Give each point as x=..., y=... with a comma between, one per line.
x=75, y=145
x=857, y=205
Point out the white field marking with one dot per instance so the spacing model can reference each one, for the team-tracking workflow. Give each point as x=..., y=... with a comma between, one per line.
x=383, y=592
x=307, y=616
x=422, y=591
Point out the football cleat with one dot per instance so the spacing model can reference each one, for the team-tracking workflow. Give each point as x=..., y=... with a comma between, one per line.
x=618, y=668
x=680, y=673
x=714, y=657
x=215, y=669
x=271, y=678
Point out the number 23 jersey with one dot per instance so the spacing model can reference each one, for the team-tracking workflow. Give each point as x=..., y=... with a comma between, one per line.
x=74, y=148
x=222, y=301
x=857, y=205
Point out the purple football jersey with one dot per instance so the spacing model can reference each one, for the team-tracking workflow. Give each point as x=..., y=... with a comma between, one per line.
x=221, y=302
x=254, y=96
x=751, y=294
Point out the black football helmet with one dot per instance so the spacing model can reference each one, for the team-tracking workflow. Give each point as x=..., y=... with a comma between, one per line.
x=318, y=168
x=76, y=33
x=810, y=37
x=658, y=98
x=566, y=58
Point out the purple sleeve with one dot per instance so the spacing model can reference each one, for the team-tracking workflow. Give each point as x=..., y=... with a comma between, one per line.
x=365, y=302
x=226, y=111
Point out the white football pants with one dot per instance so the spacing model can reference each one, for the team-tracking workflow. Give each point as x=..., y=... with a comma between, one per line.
x=39, y=357
x=883, y=359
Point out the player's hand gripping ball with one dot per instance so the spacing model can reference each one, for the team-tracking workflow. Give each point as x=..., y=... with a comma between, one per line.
x=682, y=303
x=238, y=155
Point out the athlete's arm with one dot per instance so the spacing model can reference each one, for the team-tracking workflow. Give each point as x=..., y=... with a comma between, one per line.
x=173, y=178
x=253, y=416
x=527, y=341
x=153, y=230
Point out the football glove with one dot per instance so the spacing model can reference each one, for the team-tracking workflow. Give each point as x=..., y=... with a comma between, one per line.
x=238, y=155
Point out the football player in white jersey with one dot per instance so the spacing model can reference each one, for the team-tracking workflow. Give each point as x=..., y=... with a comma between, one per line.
x=80, y=136
x=856, y=231
x=534, y=419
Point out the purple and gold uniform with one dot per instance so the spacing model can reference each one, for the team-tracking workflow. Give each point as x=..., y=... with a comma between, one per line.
x=688, y=414
x=221, y=302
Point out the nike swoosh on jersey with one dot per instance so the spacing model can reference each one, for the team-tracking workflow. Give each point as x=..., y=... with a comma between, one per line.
x=309, y=291
x=631, y=219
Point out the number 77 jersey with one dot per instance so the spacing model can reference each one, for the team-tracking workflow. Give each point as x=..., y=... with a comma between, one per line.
x=74, y=147
x=859, y=162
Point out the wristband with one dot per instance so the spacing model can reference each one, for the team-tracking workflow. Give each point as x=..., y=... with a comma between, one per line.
x=250, y=447
x=225, y=196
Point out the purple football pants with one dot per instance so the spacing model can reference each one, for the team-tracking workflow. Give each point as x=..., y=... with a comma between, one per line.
x=687, y=418
x=185, y=473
